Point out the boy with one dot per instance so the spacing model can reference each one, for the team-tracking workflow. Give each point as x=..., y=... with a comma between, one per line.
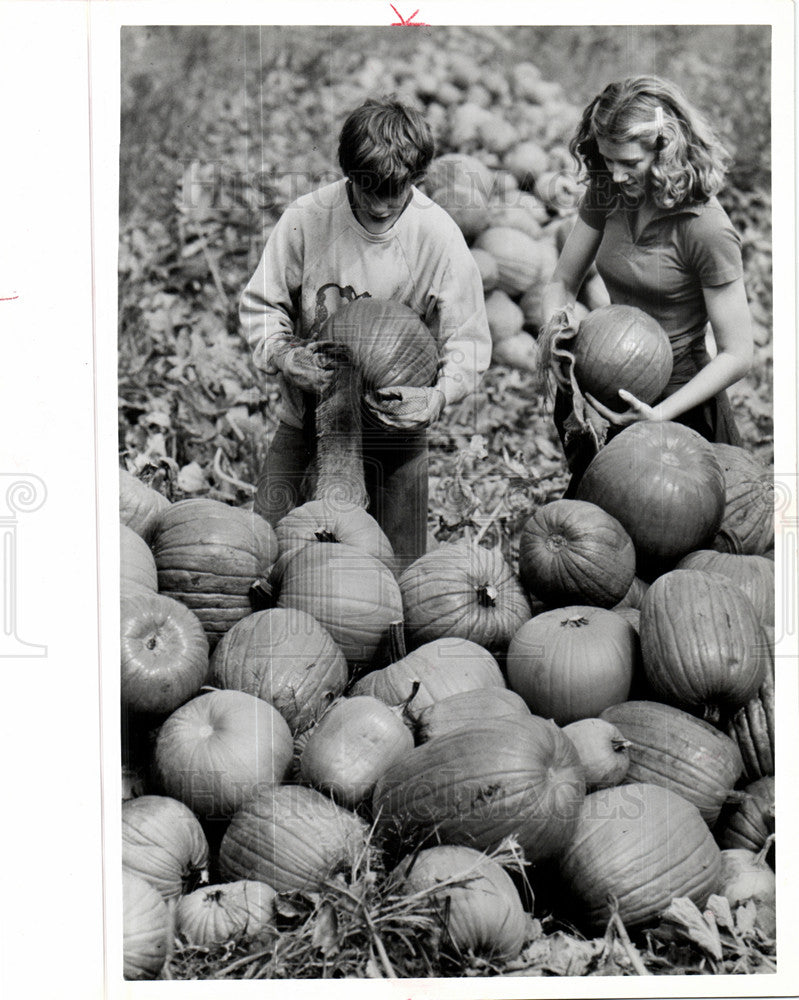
x=370, y=234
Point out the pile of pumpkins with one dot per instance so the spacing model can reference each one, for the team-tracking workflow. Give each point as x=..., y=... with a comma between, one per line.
x=608, y=703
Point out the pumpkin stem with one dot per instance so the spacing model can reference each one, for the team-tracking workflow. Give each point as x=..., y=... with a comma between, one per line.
x=261, y=595
x=577, y=622
x=760, y=857
x=397, y=650
x=619, y=744
x=487, y=595
x=325, y=535
x=712, y=714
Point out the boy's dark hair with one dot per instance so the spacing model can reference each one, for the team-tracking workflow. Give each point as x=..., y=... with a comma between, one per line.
x=384, y=146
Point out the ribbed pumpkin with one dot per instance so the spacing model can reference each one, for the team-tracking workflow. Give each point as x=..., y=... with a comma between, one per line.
x=518, y=351
x=351, y=594
x=752, y=726
x=668, y=747
x=233, y=911
x=604, y=752
x=465, y=591
x=352, y=745
x=460, y=185
x=505, y=318
x=699, y=641
x=163, y=652
x=662, y=481
x=442, y=668
x=216, y=751
x=513, y=215
x=749, y=502
x=389, y=343
x=163, y=843
x=292, y=838
x=572, y=552
x=621, y=347
x=285, y=657
x=521, y=260
x=573, y=662
x=139, y=505
x=753, y=574
x=519, y=777
x=479, y=904
x=136, y=563
x=324, y=521
x=751, y=822
x=634, y=596
x=643, y=845
x=526, y=161
x=487, y=266
x=468, y=709
x=208, y=554
x=145, y=929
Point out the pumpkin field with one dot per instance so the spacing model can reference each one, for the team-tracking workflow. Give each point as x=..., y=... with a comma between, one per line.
x=544, y=748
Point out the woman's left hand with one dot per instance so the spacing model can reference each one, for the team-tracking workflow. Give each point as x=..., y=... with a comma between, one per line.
x=637, y=410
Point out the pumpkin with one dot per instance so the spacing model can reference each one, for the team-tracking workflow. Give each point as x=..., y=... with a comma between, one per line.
x=460, y=184
x=388, y=342
x=668, y=747
x=324, y=521
x=496, y=134
x=285, y=657
x=521, y=260
x=216, y=914
x=634, y=596
x=208, y=554
x=468, y=709
x=505, y=318
x=516, y=777
x=214, y=752
x=662, y=481
x=139, y=505
x=351, y=594
x=712, y=659
x=463, y=591
x=519, y=351
x=558, y=190
x=753, y=574
x=292, y=838
x=435, y=670
x=571, y=663
x=572, y=552
x=751, y=822
x=749, y=503
x=512, y=214
x=745, y=877
x=487, y=266
x=163, y=652
x=351, y=746
x=163, y=843
x=632, y=616
x=145, y=929
x=752, y=726
x=621, y=347
x=136, y=563
x=642, y=845
x=526, y=161
x=465, y=121
x=477, y=901
x=604, y=752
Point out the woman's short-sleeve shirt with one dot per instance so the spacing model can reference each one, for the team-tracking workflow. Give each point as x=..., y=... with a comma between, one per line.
x=664, y=268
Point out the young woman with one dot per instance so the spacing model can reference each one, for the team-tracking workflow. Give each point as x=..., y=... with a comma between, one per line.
x=663, y=243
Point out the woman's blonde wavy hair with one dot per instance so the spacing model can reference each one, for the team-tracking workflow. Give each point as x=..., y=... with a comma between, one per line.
x=690, y=161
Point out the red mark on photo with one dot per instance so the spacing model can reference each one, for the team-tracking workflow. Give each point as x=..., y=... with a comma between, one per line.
x=407, y=23
x=8, y=298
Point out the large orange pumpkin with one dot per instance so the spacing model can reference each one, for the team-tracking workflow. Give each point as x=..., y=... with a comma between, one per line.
x=663, y=483
x=139, y=505
x=285, y=657
x=351, y=594
x=753, y=574
x=136, y=564
x=621, y=347
x=208, y=555
x=641, y=845
x=748, y=522
x=516, y=777
x=325, y=521
x=145, y=928
x=465, y=591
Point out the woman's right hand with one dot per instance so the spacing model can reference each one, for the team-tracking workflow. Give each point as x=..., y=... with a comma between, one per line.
x=305, y=368
x=558, y=333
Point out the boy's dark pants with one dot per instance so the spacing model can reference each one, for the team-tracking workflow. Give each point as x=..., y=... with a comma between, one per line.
x=395, y=472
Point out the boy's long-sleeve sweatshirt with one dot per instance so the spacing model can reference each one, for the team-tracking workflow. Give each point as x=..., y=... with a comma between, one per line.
x=319, y=257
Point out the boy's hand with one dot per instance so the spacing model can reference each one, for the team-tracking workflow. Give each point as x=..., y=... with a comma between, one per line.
x=402, y=407
x=305, y=368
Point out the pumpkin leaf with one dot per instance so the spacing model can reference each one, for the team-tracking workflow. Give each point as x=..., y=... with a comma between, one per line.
x=682, y=919
x=325, y=929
